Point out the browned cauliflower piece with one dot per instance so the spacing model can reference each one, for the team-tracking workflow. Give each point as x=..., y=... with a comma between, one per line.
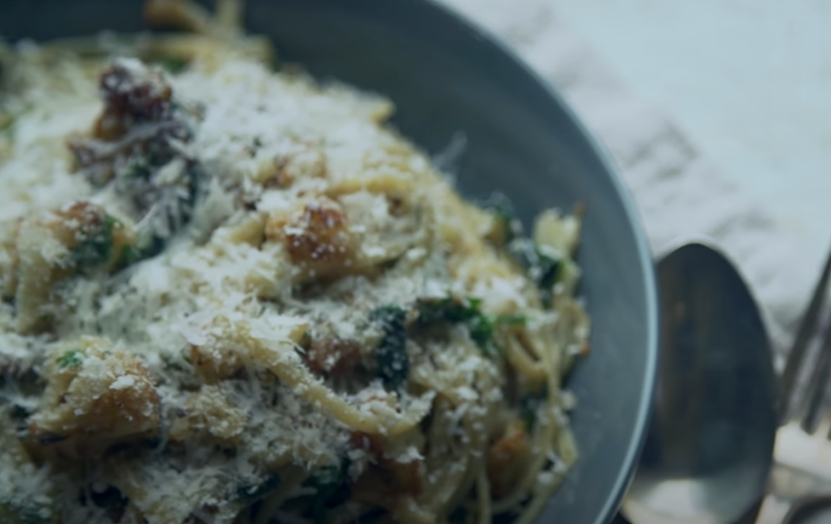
x=317, y=239
x=41, y=250
x=208, y=417
x=215, y=361
x=96, y=395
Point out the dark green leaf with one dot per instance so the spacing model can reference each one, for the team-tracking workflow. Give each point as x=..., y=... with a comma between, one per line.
x=96, y=244
x=528, y=409
x=549, y=268
x=542, y=266
x=448, y=309
x=172, y=200
x=391, y=355
x=332, y=489
x=481, y=331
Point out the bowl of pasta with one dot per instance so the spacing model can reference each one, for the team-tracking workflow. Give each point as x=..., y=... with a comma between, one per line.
x=306, y=261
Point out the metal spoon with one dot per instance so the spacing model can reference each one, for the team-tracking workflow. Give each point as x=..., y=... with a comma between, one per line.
x=709, y=447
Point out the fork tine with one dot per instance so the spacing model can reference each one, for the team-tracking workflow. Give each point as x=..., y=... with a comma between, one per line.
x=807, y=329
x=824, y=423
x=814, y=397
x=823, y=379
x=824, y=426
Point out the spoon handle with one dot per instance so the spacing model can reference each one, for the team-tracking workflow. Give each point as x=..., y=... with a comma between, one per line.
x=778, y=510
x=774, y=510
x=792, y=495
x=815, y=509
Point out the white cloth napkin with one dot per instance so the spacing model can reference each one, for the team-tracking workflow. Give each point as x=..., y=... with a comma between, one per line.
x=679, y=192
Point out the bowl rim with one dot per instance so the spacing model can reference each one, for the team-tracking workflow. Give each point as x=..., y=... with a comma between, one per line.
x=499, y=46
x=494, y=44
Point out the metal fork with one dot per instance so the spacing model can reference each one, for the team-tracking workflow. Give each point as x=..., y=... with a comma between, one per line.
x=802, y=453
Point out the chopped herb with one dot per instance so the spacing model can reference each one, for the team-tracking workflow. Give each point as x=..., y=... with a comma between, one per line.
x=128, y=254
x=391, y=356
x=548, y=269
x=96, y=244
x=172, y=64
x=72, y=359
x=511, y=320
x=481, y=331
x=448, y=309
x=332, y=489
x=251, y=492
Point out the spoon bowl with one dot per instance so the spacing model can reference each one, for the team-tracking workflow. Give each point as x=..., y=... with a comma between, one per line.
x=709, y=446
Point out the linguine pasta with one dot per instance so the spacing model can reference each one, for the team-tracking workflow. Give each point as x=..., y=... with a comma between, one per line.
x=234, y=295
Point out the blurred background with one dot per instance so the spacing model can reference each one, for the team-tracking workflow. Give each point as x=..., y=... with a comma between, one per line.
x=746, y=83
x=749, y=81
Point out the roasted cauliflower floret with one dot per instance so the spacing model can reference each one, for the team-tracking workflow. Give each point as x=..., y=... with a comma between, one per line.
x=215, y=361
x=96, y=395
x=317, y=239
x=94, y=238
x=44, y=249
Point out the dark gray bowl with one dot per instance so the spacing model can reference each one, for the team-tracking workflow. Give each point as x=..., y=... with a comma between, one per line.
x=446, y=76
